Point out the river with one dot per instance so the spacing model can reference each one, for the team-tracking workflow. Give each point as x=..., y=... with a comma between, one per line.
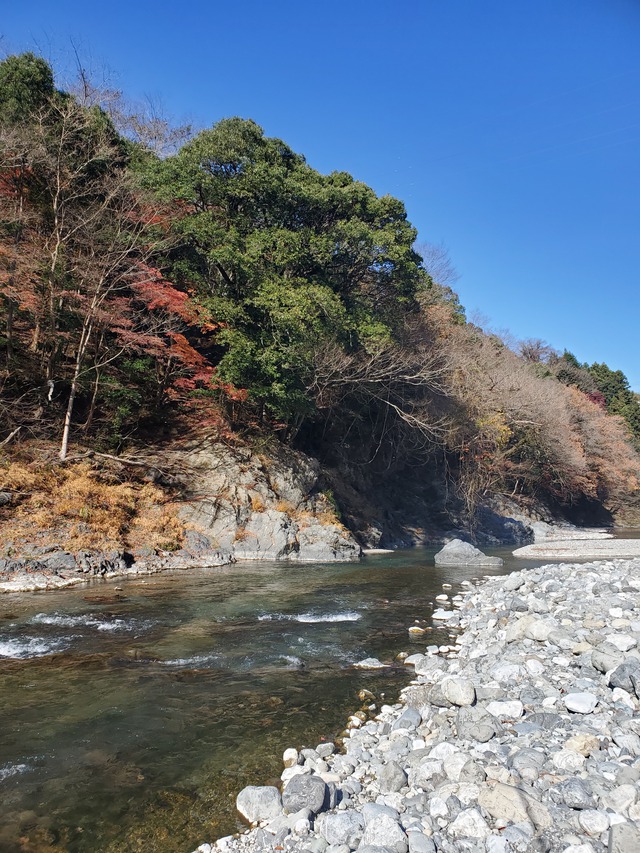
x=132, y=712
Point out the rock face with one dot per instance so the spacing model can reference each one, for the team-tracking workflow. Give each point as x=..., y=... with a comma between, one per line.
x=510, y=741
x=459, y=553
x=262, y=507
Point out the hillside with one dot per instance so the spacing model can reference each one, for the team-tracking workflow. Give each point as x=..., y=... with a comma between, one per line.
x=223, y=291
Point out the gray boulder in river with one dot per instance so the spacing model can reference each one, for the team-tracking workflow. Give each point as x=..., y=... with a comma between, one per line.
x=459, y=553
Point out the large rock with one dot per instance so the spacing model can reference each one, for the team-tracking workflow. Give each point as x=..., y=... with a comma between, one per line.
x=385, y=831
x=391, y=778
x=458, y=691
x=624, y=838
x=268, y=535
x=341, y=828
x=304, y=792
x=259, y=802
x=459, y=553
x=469, y=824
x=258, y=507
x=627, y=676
x=325, y=543
x=511, y=803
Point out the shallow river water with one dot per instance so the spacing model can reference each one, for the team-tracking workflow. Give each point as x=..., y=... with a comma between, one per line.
x=132, y=712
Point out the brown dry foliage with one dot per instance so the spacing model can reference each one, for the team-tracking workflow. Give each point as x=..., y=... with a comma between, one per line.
x=519, y=430
x=257, y=504
x=84, y=510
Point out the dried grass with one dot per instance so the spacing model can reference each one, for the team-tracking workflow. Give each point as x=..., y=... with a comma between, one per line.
x=257, y=504
x=83, y=509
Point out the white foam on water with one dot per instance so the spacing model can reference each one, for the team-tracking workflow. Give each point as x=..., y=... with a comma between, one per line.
x=87, y=620
x=312, y=618
x=29, y=647
x=346, y=616
x=192, y=661
x=327, y=652
x=293, y=661
x=12, y=770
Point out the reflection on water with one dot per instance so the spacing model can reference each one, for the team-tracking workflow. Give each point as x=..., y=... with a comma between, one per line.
x=131, y=717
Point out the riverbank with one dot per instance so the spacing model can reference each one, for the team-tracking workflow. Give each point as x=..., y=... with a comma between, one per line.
x=591, y=548
x=60, y=569
x=521, y=736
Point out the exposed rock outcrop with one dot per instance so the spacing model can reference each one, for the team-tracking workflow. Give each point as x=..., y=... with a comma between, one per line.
x=262, y=507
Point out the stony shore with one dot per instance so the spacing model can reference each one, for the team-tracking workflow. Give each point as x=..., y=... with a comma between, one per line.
x=580, y=549
x=59, y=569
x=522, y=736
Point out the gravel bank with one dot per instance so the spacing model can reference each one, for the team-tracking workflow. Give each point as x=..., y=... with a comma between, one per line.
x=580, y=549
x=523, y=736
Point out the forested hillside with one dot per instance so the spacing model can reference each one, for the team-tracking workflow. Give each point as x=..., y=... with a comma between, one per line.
x=228, y=288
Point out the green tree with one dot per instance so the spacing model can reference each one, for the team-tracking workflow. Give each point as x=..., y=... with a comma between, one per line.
x=26, y=85
x=285, y=258
x=619, y=398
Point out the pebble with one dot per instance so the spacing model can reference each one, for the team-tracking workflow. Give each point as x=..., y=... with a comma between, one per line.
x=522, y=737
x=581, y=703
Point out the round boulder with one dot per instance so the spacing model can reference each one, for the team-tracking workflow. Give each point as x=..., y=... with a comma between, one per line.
x=304, y=792
x=259, y=802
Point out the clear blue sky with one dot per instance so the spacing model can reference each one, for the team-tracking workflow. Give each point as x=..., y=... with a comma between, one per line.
x=510, y=128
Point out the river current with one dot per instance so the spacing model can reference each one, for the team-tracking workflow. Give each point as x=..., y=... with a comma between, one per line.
x=132, y=712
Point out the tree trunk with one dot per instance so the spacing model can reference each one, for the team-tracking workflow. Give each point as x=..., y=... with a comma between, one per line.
x=10, y=308
x=82, y=348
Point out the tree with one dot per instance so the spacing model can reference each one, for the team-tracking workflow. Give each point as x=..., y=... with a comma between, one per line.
x=67, y=189
x=618, y=396
x=284, y=257
x=26, y=85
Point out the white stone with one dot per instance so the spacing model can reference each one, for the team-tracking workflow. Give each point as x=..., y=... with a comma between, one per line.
x=290, y=772
x=438, y=807
x=370, y=663
x=581, y=703
x=443, y=750
x=441, y=615
x=593, y=822
x=497, y=844
x=623, y=642
x=459, y=691
x=467, y=793
x=469, y=824
x=618, y=694
x=634, y=812
x=302, y=826
x=539, y=630
x=568, y=760
x=454, y=764
x=504, y=672
x=290, y=757
x=620, y=799
x=509, y=710
x=535, y=666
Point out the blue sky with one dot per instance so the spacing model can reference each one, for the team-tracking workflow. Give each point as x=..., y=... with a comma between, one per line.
x=511, y=130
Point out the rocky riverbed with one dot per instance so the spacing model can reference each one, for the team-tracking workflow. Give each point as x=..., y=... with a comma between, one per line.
x=523, y=735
